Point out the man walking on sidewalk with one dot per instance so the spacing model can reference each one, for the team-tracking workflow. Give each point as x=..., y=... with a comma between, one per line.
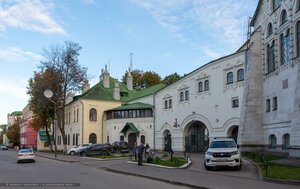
x=141, y=149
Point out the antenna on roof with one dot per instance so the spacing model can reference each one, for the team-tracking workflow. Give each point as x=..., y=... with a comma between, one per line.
x=130, y=62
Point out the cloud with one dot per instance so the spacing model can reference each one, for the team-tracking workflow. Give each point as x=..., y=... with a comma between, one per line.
x=89, y=2
x=15, y=54
x=220, y=20
x=12, y=90
x=210, y=53
x=31, y=15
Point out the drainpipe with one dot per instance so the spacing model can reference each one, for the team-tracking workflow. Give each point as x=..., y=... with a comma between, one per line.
x=103, y=114
x=82, y=124
x=153, y=113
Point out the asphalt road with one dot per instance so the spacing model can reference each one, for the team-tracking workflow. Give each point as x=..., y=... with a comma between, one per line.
x=55, y=173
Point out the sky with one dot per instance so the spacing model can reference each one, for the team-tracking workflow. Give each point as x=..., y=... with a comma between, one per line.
x=164, y=36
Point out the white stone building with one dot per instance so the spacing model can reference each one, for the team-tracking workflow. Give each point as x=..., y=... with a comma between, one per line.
x=271, y=113
x=202, y=105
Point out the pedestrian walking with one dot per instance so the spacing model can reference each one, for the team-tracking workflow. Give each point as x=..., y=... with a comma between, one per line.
x=141, y=149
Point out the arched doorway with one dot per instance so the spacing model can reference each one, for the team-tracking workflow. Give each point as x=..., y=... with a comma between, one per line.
x=167, y=141
x=131, y=140
x=233, y=132
x=196, y=137
x=93, y=138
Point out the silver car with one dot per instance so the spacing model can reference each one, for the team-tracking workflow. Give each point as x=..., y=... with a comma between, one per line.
x=26, y=155
x=73, y=151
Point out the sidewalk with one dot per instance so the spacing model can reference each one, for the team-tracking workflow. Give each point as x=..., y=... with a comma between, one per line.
x=187, y=177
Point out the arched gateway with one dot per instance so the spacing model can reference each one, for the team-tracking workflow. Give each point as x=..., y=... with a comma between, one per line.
x=196, y=137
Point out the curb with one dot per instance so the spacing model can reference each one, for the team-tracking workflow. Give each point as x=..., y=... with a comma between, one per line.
x=154, y=178
x=56, y=159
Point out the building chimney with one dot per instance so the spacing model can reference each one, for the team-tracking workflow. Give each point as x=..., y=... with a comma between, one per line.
x=105, y=77
x=85, y=86
x=129, y=80
x=116, y=91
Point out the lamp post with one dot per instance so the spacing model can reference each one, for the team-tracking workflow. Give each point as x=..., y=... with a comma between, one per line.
x=49, y=94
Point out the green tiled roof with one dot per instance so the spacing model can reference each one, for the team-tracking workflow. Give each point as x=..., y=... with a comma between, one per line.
x=143, y=93
x=130, y=126
x=16, y=113
x=99, y=92
x=134, y=106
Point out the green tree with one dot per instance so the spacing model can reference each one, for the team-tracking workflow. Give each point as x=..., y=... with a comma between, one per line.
x=149, y=79
x=63, y=60
x=13, y=132
x=142, y=79
x=42, y=108
x=170, y=79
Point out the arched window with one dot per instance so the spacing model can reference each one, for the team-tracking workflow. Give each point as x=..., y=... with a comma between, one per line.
x=272, y=141
x=285, y=47
x=93, y=138
x=122, y=138
x=270, y=29
x=271, y=57
x=298, y=6
x=298, y=38
x=285, y=141
x=283, y=17
x=229, y=78
x=240, y=75
x=166, y=104
x=170, y=103
x=200, y=86
x=206, y=85
x=181, y=96
x=93, y=114
x=187, y=95
x=143, y=139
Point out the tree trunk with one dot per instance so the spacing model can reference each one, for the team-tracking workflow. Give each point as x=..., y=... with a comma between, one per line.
x=49, y=139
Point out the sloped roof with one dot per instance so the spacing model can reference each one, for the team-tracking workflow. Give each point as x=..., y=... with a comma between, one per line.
x=99, y=92
x=16, y=113
x=133, y=106
x=130, y=126
x=256, y=13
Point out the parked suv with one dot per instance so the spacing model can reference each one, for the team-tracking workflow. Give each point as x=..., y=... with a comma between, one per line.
x=222, y=152
x=74, y=150
x=94, y=150
x=120, y=146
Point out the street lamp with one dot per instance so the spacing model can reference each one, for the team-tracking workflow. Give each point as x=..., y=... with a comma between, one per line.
x=49, y=94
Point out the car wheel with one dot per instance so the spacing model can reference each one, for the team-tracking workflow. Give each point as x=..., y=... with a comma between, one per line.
x=72, y=153
x=18, y=161
x=33, y=161
x=239, y=167
x=84, y=154
x=208, y=168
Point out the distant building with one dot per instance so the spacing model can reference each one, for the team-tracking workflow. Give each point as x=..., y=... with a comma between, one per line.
x=12, y=118
x=85, y=114
x=270, y=113
x=28, y=136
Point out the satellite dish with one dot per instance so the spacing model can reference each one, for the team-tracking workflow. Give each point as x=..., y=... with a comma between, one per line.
x=48, y=93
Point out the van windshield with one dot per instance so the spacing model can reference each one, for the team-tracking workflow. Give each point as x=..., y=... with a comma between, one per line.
x=223, y=144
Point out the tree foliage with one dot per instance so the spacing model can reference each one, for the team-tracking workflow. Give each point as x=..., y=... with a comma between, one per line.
x=170, y=79
x=63, y=61
x=42, y=108
x=13, y=132
x=142, y=79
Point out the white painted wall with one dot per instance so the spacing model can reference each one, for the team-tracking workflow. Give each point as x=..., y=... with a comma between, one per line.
x=213, y=107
